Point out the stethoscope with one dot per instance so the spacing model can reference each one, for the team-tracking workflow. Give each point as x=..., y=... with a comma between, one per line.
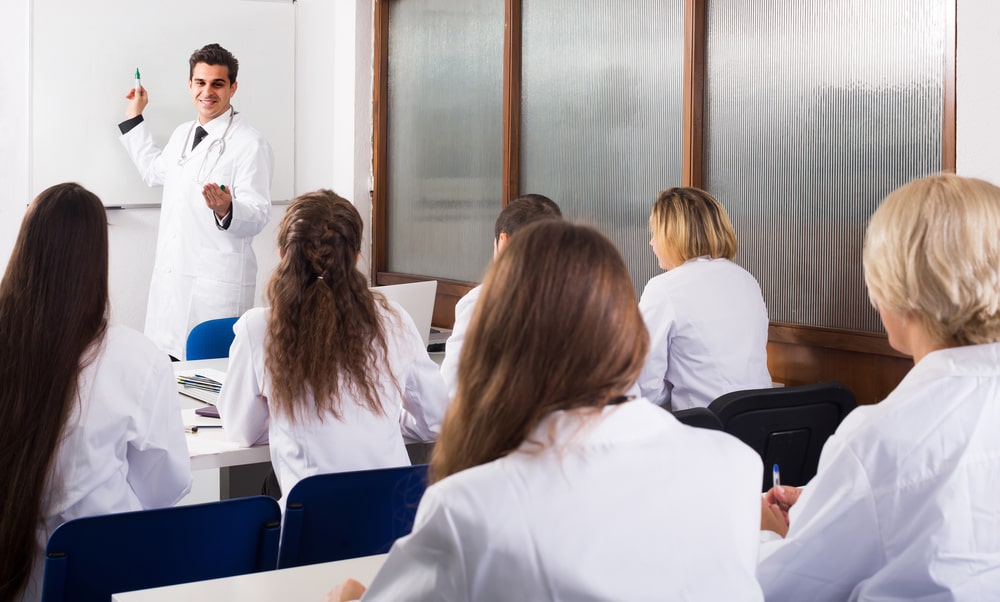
x=218, y=143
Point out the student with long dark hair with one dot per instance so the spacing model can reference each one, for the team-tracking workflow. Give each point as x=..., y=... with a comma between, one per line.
x=89, y=412
x=331, y=374
x=551, y=484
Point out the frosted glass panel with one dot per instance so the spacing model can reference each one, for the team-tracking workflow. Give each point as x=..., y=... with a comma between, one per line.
x=445, y=138
x=814, y=111
x=601, y=112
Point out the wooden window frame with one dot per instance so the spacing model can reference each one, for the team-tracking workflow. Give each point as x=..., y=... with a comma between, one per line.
x=794, y=337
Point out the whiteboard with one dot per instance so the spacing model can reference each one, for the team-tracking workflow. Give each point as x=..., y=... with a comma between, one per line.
x=83, y=59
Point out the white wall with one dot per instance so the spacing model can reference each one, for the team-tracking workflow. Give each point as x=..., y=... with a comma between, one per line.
x=333, y=76
x=978, y=89
x=14, y=103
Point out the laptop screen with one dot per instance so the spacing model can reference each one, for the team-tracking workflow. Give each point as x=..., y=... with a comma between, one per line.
x=417, y=298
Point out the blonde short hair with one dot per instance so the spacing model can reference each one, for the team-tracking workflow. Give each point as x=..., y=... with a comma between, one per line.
x=689, y=223
x=932, y=249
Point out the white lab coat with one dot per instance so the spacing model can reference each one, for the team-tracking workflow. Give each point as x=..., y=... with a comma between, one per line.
x=202, y=272
x=123, y=447
x=632, y=506
x=361, y=440
x=905, y=504
x=464, y=309
x=708, y=334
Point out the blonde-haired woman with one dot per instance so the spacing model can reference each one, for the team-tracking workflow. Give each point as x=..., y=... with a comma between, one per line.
x=706, y=317
x=332, y=375
x=550, y=484
x=906, y=502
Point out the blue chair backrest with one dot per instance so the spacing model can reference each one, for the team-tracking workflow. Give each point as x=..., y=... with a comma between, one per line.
x=349, y=514
x=89, y=559
x=210, y=339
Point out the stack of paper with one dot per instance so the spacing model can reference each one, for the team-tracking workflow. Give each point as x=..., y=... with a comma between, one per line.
x=203, y=384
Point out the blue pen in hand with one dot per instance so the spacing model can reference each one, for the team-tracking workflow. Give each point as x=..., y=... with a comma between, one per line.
x=776, y=475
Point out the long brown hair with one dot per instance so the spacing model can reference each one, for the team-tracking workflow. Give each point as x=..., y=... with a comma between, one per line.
x=53, y=307
x=557, y=327
x=324, y=332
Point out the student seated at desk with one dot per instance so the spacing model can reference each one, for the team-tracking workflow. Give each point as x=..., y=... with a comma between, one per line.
x=550, y=483
x=332, y=372
x=520, y=212
x=90, y=416
x=905, y=504
x=706, y=317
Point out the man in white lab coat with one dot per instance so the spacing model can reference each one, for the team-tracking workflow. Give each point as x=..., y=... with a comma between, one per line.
x=216, y=176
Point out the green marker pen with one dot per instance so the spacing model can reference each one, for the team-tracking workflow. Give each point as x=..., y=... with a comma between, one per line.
x=138, y=84
x=222, y=186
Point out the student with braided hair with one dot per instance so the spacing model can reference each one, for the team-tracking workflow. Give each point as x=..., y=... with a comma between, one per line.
x=331, y=375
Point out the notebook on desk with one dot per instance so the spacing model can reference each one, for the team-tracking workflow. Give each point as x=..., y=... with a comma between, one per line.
x=202, y=384
x=417, y=298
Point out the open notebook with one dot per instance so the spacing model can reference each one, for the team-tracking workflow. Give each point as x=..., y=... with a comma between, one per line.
x=202, y=384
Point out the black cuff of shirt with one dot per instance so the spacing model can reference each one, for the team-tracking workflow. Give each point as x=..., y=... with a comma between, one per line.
x=127, y=125
x=223, y=224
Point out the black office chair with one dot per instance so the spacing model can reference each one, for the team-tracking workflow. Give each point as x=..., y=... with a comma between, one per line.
x=785, y=425
x=699, y=417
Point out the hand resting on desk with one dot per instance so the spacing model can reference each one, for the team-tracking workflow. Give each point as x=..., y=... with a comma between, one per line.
x=345, y=592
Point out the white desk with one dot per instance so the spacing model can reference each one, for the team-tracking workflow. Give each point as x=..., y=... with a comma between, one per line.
x=300, y=583
x=209, y=448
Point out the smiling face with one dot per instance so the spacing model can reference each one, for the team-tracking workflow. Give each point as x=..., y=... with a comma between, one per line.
x=211, y=90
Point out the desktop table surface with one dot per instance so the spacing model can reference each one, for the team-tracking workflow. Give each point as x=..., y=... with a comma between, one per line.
x=209, y=448
x=310, y=582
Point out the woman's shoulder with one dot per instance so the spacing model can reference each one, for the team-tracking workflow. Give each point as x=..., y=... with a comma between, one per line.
x=128, y=357
x=131, y=344
x=254, y=319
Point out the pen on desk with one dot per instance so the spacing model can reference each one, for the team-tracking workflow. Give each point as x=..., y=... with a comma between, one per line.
x=138, y=84
x=197, y=427
x=776, y=475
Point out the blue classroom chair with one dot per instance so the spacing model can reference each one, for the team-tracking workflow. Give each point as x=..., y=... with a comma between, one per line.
x=89, y=559
x=210, y=339
x=349, y=514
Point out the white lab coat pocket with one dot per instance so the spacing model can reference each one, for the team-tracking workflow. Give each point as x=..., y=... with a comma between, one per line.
x=221, y=289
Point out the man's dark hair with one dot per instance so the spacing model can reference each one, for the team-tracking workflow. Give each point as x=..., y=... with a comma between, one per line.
x=213, y=54
x=524, y=210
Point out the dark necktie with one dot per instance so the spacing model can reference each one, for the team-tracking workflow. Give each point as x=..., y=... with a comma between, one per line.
x=199, y=135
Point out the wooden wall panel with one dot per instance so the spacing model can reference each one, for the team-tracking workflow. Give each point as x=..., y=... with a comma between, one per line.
x=870, y=376
x=864, y=362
